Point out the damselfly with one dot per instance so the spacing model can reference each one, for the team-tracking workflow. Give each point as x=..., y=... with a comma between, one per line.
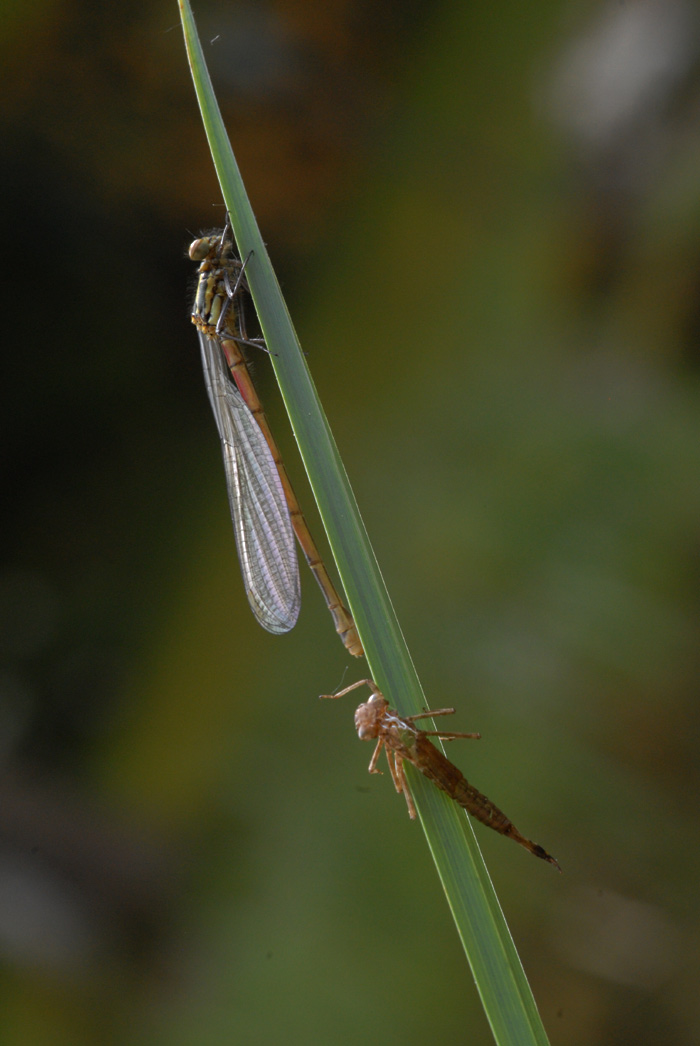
x=264, y=508
x=403, y=741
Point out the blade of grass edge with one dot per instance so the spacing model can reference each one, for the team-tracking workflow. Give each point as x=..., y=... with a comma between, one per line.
x=504, y=990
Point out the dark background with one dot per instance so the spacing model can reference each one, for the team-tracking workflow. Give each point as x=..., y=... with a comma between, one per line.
x=486, y=220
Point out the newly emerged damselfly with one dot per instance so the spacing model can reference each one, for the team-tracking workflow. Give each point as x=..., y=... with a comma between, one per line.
x=403, y=741
x=264, y=508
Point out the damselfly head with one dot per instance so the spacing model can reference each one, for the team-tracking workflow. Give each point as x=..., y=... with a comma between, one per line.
x=203, y=247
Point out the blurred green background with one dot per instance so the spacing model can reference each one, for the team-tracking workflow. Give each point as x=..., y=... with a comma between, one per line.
x=486, y=218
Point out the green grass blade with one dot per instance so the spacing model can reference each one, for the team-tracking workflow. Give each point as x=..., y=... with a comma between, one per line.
x=500, y=980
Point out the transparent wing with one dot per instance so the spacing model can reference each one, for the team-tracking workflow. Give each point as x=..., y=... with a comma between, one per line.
x=263, y=529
